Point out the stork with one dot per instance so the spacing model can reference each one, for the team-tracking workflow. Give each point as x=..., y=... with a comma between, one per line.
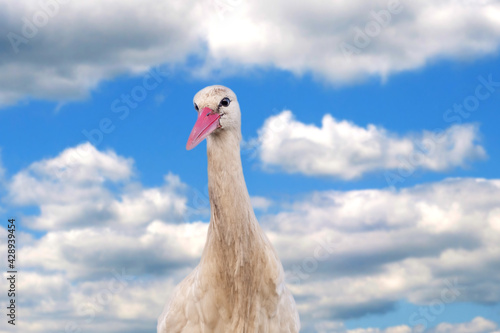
x=238, y=286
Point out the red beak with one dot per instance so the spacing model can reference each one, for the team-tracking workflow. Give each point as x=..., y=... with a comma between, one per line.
x=207, y=122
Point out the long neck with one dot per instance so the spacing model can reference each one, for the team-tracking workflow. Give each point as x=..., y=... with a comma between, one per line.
x=235, y=241
x=237, y=257
x=232, y=213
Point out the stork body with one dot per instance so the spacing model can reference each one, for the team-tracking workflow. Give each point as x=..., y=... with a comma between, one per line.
x=238, y=285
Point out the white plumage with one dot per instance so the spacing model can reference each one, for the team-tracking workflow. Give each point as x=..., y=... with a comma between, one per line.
x=238, y=285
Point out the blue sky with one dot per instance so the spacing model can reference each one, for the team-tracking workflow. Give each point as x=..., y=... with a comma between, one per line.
x=322, y=133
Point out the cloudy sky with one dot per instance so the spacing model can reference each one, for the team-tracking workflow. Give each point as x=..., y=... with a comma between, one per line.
x=370, y=151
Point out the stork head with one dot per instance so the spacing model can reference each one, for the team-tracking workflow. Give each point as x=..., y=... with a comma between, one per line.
x=218, y=110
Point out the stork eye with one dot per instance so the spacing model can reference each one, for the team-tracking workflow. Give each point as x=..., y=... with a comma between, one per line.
x=225, y=102
x=196, y=107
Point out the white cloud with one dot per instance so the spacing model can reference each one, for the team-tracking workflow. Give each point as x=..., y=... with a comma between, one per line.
x=347, y=254
x=101, y=224
x=310, y=36
x=160, y=249
x=363, y=251
x=345, y=150
x=74, y=189
x=260, y=203
x=83, y=43
x=80, y=44
x=477, y=325
x=381, y=247
x=117, y=302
